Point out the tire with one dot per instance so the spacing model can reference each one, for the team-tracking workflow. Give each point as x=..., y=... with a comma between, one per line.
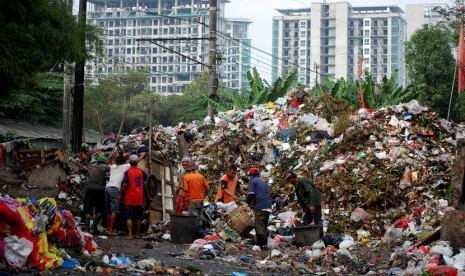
x=152, y=188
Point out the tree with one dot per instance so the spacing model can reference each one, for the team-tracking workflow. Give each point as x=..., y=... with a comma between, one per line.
x=106, y=103
x=40, y=101
x=36, y=35
x=430, y=66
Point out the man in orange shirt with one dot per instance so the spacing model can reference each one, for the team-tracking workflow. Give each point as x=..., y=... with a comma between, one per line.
x=229, y=186
x=195, y=186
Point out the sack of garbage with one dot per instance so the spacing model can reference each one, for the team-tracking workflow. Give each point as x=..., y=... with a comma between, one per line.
x=332, y=239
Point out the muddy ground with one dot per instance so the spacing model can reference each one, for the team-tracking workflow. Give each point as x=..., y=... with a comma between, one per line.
x=170, y=255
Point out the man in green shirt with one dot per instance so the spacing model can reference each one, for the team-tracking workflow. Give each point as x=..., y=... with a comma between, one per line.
x=309, y=197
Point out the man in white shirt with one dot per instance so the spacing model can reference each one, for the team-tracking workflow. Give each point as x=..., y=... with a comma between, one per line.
x=112, y=191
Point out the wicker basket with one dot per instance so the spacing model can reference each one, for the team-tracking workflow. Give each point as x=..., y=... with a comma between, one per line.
x=239, y=220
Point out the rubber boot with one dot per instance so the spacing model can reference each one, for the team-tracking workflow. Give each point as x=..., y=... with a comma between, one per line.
x=259, y=240
x=262, y=242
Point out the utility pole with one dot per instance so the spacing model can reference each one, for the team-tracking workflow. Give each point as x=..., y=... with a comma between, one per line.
x=66, y=96
x=316, y=67
x=78, y=104
x=66, y=105
x=212, y=77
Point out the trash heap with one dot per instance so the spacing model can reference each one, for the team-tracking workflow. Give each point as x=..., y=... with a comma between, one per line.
x=37, y=235
x=372, y=167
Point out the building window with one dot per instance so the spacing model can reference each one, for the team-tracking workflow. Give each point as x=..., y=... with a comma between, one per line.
x=366, y=51
x=302, y=52
x=366, y=41
x=367, y=61
x=286, y=26
x=302, y=61
x=366, y=32
x=375, y=41
x=385, y=32
x=302, y=33
x=366, y=22
x=302, y=43
x=385, y=22
x=303, y=24
x=385, y=41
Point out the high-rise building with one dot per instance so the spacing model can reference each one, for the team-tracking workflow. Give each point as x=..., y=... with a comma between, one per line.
x=178, y=48
x=331, y=38
x=237, y=53
x=419, y=15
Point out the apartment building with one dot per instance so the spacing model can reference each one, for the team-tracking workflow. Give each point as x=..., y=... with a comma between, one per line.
x=237, y=54
x=170, y=64
x=331, y=38
x=419, y=15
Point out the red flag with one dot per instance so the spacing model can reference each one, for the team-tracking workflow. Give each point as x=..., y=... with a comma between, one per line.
x=360, y=69
x=461, y=61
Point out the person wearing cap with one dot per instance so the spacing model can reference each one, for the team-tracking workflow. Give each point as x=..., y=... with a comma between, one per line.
x=195, y=187
x=112, y=191
x=259, y=195
x=182, y=200
x=94, y=198
x=229, y=186
x=142, y=152
x=133, y=191
x=309, y=197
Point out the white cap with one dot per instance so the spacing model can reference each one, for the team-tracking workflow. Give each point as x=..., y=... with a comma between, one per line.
x=133, y=158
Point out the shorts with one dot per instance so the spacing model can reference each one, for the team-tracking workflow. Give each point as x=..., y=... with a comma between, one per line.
x=94, y=199
x=134, y=212
x=111, y=199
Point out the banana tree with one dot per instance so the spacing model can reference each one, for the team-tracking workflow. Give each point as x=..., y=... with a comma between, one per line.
x=260, y=92
x=391, y=93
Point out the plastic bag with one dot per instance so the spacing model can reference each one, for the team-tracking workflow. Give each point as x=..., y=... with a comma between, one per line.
x=319, y=244
x=406, y=179
x=443, y=270
x=442, y=248
x=402, y=223
x=287, y=218
x=359, y=214
x=332, y=239
x=17, y=250
x=392, y=234
x=414, y=107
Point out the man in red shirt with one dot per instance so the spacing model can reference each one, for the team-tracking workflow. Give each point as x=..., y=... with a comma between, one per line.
x=133, y=190
x=195, y=186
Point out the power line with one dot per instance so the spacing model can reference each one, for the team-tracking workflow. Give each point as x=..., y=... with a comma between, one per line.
x=273, y=56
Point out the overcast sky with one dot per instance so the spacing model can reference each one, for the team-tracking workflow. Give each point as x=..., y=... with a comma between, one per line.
x=261, y=12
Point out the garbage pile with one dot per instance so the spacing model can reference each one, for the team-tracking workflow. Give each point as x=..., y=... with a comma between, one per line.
x=372, y=167
x=38, y=235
